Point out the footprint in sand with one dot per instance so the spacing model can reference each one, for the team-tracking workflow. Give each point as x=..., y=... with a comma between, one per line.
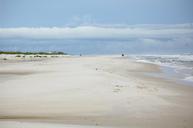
x=150, y=89
x=117, y=88
x=141, y=87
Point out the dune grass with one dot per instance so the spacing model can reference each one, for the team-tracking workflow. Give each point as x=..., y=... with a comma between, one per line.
x=33, y=53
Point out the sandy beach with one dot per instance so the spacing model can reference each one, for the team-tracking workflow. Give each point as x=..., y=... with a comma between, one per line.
x=90, y=91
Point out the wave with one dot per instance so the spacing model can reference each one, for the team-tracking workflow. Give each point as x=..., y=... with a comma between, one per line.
x=181, y=64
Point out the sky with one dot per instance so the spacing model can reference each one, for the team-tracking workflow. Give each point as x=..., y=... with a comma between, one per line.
x=97, y=26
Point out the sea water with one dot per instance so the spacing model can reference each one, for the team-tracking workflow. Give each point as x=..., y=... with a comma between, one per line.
x=179, y=67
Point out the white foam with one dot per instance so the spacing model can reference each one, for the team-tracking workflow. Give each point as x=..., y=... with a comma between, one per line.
x=189, y=78
x=170, y=60
x=182, y=65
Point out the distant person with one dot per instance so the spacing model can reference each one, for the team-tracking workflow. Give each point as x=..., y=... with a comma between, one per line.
x=122, y=55
x=80, y=54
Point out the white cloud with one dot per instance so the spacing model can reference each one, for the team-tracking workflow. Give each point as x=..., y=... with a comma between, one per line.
x=100, y=32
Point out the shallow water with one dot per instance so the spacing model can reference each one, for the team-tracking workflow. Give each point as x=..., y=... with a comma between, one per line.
x=176, y=67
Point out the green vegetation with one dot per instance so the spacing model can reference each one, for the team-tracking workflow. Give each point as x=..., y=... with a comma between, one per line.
x=33, y=53
x=18, y=56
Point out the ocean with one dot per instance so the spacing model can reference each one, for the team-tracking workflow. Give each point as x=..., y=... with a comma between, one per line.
x=178, y=67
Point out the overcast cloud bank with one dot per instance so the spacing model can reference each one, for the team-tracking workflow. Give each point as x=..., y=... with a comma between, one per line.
x=100, y=32
x=92, y=39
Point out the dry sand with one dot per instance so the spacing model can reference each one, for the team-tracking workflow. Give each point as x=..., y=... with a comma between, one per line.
x=95, y=91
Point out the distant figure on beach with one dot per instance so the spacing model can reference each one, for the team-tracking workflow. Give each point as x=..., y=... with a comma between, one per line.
x=122, y=55
x=80, y=54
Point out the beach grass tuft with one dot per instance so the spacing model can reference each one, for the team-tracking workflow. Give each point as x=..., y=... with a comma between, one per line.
x=33, y=53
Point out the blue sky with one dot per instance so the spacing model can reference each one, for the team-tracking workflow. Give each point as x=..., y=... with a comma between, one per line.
x=39, y=13
x=113, y=26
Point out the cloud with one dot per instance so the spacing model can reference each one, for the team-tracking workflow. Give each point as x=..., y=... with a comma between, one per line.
x=118, y=32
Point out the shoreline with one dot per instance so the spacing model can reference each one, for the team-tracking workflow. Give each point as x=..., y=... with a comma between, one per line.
x=170, y=73
x=176, y=67
x=106, y=91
